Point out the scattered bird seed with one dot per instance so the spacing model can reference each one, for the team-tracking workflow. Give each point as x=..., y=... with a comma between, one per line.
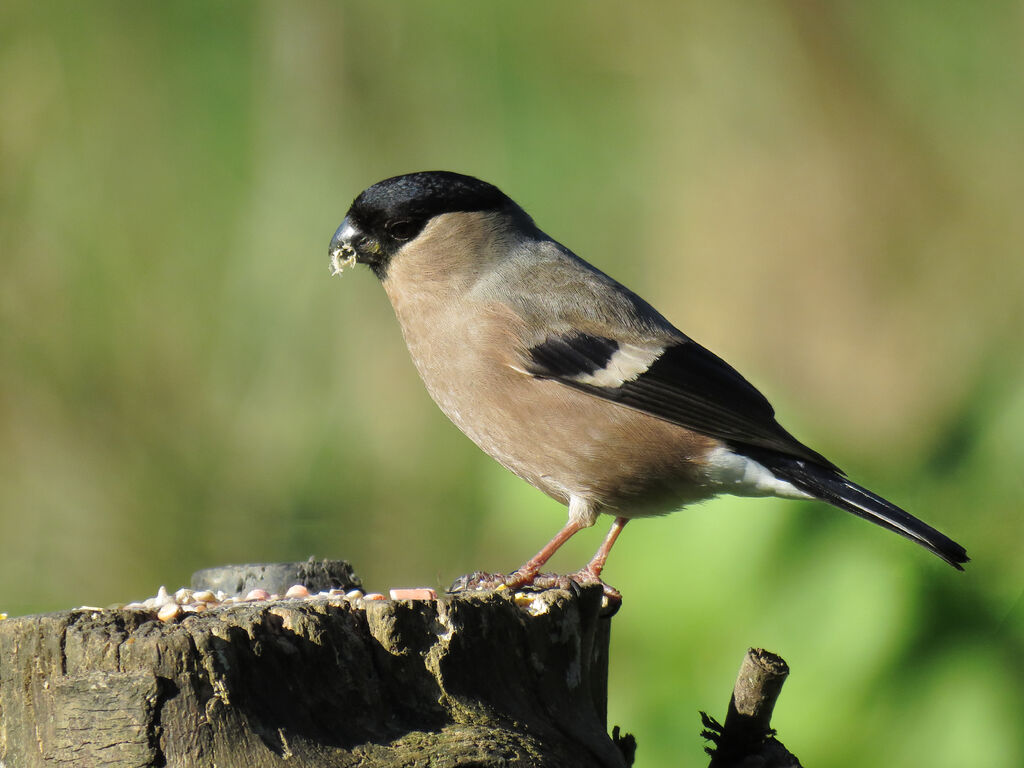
x=418, y=593
x=168, y=607
x=169, y=612
x=161, y=599
x=523, y=599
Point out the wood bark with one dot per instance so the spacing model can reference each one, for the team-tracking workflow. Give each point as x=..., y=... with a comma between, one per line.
x=466, y=680
x=747, y=739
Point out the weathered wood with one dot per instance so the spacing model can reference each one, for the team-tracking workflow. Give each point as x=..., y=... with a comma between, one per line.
x=467, y=680
x=747, y=738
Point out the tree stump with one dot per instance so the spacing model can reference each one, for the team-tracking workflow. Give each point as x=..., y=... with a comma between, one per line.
x=479, y=679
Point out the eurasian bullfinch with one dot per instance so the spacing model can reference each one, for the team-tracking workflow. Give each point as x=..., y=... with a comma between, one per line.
x=569, y=379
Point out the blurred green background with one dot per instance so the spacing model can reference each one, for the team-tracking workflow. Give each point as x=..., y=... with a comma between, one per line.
x=827, y=195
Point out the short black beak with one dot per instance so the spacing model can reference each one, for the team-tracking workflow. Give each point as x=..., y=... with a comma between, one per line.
x=351, y=245
x=345, y=237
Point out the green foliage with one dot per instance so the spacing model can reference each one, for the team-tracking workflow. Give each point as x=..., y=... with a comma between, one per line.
x=828, y=196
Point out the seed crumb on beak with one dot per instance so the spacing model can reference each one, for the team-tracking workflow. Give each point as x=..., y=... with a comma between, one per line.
x=341, y=257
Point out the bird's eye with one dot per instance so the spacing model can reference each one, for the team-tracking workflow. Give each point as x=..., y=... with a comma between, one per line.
x=402, y=229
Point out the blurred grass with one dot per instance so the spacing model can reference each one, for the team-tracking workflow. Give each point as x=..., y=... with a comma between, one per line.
x=827, y=196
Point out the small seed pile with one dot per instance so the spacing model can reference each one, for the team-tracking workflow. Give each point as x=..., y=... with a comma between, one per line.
x=169, y=607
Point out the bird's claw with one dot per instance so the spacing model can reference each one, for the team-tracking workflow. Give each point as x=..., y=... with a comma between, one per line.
x=519, y=581
x=480, y=581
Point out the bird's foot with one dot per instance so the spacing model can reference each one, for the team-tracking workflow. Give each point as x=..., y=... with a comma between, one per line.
x=481, y=581
x=586, y=577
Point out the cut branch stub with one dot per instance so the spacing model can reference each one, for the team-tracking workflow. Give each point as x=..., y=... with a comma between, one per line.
x=747, y=737
x=758, y=686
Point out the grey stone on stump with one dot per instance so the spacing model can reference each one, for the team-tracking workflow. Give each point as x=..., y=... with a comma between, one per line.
x=315, y=575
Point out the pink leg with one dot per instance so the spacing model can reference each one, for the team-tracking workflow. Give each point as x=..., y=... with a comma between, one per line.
x=528, y=571
x=596, y=564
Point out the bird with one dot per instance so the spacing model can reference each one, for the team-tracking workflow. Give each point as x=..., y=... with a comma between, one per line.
x=572, y=381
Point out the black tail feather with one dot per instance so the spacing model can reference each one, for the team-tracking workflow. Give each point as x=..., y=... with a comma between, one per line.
x=828, y=485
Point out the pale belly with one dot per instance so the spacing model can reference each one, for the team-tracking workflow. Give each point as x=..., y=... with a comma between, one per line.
x=567, y=443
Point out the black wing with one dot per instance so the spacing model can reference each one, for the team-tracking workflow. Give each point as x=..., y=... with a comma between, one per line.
x=685, y=385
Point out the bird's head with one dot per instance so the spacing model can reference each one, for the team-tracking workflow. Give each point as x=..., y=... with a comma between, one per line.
x=387, y=216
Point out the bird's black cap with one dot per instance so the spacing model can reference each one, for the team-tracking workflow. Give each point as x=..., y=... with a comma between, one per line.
x=426, y=194
x=402, y=205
